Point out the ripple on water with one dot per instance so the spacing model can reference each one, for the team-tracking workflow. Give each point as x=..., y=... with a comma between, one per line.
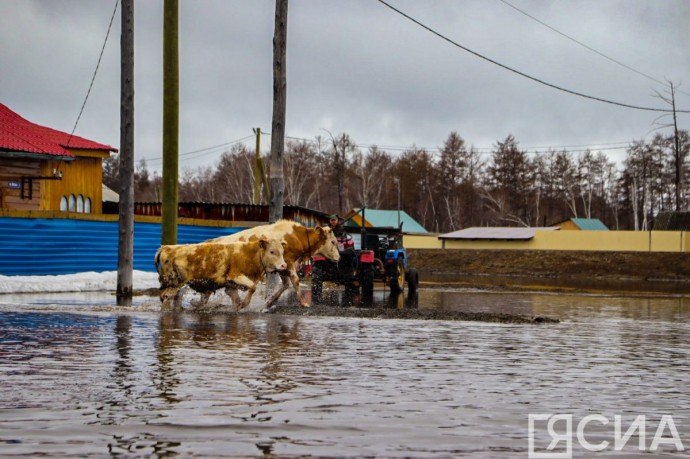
x=144, y=383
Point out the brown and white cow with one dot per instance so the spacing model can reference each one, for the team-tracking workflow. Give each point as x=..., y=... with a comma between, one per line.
x=302, y=243
x=207, y=267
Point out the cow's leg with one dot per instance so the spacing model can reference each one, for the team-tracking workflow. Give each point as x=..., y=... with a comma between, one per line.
x=284, y=285
x=234, y=296
x=166, y=295
x=205, y=295
x=295, y=283
x=177, y=301
x=246, y=282
x=170, y=296
x=248, y=296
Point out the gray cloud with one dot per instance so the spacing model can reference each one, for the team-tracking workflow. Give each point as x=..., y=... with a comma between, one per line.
x=354, y=67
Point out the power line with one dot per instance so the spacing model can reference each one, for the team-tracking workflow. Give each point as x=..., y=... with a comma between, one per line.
x=575, y=93
x=195, y=154
x=584, y=45
x=95, y=72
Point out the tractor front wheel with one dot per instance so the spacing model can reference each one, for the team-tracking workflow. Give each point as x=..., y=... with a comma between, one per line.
x=397, y=282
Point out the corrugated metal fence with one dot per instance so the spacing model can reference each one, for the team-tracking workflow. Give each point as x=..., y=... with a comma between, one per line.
x=38, y=246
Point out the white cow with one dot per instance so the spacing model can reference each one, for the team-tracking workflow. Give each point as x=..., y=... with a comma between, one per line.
x=302, y=243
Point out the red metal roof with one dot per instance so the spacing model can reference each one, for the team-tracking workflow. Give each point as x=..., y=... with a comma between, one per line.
x=20, y=135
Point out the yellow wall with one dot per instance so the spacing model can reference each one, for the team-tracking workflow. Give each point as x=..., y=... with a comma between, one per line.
x=416, y=241
x=114, y=218
x=568, y=225
x=615, y=241
x=83, y=176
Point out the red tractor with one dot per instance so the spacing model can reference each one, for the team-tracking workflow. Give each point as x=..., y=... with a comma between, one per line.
x=381, y=257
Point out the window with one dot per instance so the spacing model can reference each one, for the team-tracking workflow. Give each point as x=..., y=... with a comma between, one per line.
x=63, y=204
x=87, y=205
x=80, y=203
x=71, y=203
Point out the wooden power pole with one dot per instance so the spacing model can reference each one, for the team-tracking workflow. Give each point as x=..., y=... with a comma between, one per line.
x=171, y=121
x=257, y=168
x=277, y=187
x=259, y=172
x=125, y=242
x=676, y=148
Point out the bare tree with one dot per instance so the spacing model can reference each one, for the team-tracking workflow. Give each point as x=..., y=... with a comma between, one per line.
x=198, y=185
x=670, y=98
x=234, y=175
x=639, y=166
x=111, y=172
x=341, y=147
x=299, y=169
x=146, y=187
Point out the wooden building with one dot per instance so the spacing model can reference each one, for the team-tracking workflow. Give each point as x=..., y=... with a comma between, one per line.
x=581, y=224
x=46, y=169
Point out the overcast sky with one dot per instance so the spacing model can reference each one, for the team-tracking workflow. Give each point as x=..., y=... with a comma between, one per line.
x=355, y=66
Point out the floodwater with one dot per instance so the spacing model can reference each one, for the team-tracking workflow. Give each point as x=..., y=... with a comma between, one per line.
x=80, y=377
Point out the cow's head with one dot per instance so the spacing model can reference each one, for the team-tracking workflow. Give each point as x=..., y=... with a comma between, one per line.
x=272, y=254
x=329, y=247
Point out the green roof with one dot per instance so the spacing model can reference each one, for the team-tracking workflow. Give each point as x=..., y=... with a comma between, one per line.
x=589, y=224
x=389, y=218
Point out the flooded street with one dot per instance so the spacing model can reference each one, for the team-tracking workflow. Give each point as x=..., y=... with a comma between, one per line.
x=80, y=377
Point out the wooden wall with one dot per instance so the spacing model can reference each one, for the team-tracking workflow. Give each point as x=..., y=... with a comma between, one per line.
x=11, y=172
x=82, y=176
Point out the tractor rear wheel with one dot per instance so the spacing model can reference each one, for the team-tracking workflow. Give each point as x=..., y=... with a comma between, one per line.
x=397, y=282
x=412, y=281
x=367, y=280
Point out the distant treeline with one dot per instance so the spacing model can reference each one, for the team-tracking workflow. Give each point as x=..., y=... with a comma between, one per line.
x=455, y=187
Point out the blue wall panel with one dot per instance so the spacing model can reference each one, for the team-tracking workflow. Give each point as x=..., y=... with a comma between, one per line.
x=35, y=246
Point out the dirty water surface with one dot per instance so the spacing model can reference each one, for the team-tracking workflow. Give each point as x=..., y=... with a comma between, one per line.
x=81, y=377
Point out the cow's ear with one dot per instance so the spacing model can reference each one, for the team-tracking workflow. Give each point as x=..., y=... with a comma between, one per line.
x=325, y=231
x=263, y=242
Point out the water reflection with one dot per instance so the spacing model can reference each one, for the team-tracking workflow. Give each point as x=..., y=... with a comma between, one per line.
x=591, y=307
x=164, y=377
x=152, y=384
x=354, y=299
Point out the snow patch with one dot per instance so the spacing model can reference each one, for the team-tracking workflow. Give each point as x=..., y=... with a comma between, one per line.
x=80, y=282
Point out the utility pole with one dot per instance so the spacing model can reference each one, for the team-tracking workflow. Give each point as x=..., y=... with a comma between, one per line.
x=125, y=241
x=277, y=186
x=259, y=172
x=676, y=140
x=171, y=121
x=676, y=147
x=397, y=182
x=257, y=162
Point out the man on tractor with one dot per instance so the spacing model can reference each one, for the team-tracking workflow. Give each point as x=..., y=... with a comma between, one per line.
x=336, y=226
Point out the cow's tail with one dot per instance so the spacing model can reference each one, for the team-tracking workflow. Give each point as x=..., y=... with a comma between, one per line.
x=157, y=261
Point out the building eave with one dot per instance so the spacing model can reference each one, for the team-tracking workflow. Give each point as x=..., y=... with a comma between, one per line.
x=31, y=155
